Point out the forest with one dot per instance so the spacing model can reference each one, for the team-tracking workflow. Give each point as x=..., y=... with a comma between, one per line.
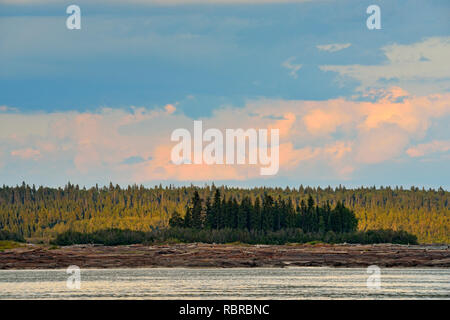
x=43, y=212
x=265, y=215
x=260, y=222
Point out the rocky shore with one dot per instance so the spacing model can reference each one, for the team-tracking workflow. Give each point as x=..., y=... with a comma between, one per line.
x=224, y=256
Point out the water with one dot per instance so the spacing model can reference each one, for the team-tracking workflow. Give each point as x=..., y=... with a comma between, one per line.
x=256, y=283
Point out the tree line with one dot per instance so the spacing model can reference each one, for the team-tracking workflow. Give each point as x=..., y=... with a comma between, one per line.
x=267, y=214
x=113, y=237
x=44, y=212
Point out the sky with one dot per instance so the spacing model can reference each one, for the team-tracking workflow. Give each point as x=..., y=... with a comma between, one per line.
x=353, y=106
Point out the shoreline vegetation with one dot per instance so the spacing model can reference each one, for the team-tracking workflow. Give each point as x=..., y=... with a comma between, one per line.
x=42, y=213
x=259, y=221
x=268, y=221
x=115, y=237
x=229, y=234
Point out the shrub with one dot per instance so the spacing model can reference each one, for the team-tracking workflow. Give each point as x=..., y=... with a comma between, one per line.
x=7, y=235
x=113, y=237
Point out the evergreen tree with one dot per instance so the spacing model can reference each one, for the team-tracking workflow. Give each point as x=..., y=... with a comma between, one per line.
x=210, y=217
x=176, y=220
x=197, y=219
x=267, y=213
x=188, y=218
x=255, y=220
x=37, y=211
x=216, y=210
x=242, y=216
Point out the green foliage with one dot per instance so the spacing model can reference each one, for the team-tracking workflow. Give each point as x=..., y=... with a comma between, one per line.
x=7, y=235
x=45, y=212
x=196, y=212
x=227, y=236
x=110, y=237
x=276, y=215
x=176, y=220
x=7, y=244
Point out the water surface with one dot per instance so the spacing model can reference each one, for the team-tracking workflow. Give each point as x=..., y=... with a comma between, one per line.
x=242, y=283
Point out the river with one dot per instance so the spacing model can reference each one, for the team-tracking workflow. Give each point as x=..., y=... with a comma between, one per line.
x=242, y=283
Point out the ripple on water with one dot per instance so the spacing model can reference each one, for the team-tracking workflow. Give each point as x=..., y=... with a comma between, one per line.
x=241, y=283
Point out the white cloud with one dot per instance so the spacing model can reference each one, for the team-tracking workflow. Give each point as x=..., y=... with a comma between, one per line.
x=333, y=47
x=422, y=67
x=288, y=64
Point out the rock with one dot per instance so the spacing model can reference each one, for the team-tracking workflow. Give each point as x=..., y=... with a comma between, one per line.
x=224, y=256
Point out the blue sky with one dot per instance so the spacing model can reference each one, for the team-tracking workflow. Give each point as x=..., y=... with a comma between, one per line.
x=204, y=58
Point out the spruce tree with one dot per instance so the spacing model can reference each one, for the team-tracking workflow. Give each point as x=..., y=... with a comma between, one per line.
x=197, y=209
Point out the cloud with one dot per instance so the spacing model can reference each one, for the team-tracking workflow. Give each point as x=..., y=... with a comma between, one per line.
x=332, y=138
x=383, y=143
x=288, y=64
x=7, y=109
x=333, y=47
x=28, y=153
x=170, y=108
x=428, y=148
x=422, y=67
x=161, y=168
x=321, y=121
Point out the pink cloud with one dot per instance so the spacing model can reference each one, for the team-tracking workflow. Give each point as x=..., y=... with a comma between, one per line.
x=339, y=149
x=284, y=125
x=170, y=108
x=323, y=121
x=337, y=135
x=161, y=167
x=427, y=148
x=395, y=106
x=28, y=153
x=381, y=144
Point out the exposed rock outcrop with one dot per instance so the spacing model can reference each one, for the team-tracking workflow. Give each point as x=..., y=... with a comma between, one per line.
x=224, y=256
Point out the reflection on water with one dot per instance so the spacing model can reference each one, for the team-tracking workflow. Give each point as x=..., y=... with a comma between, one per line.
x=256, y=283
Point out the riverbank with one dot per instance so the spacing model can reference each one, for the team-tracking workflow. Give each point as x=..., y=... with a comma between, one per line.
x=199, y=255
